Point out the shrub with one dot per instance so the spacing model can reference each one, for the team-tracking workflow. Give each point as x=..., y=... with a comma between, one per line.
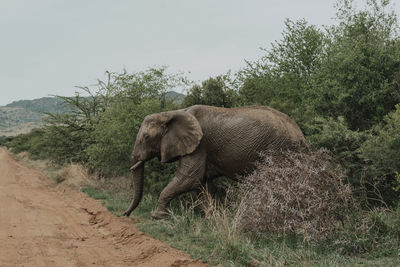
x=114, y=135
x=4, y=140
x=32, y=142
x=381, y=152
x=295, y=192
x=375, y=232
x=335, y=135
x=213, y=92
x=358, y=75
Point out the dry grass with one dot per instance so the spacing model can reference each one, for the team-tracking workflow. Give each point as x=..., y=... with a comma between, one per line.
x=226, y=217
x=74, y=175
x=41, y=165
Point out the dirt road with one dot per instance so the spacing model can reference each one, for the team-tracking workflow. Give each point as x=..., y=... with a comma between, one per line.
x=42, y=224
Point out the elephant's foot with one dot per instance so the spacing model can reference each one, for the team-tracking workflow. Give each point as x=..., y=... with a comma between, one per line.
x=158, y=215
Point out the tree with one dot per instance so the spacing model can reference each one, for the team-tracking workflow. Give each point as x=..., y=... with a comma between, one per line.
x=381, y=153
x=213, y=91
x=283, y=77
x=99, y=128
x=358, y=77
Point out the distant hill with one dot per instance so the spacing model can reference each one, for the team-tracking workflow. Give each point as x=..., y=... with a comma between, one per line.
x=17, y=120
x=24, y=115
x=44, y=104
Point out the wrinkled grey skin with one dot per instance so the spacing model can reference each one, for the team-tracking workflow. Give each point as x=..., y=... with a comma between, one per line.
x=208, y=142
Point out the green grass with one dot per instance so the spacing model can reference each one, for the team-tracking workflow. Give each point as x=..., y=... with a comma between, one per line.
x=95, y=193
x=216, y=243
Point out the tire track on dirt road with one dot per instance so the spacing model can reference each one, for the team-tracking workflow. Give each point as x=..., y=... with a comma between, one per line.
x=42, y=224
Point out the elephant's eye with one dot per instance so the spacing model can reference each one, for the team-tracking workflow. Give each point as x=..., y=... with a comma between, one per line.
x=146, y=136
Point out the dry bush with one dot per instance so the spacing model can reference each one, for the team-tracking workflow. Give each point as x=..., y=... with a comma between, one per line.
x=295, y=192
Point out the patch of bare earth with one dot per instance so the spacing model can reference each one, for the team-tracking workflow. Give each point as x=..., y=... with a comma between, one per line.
x=42, y=224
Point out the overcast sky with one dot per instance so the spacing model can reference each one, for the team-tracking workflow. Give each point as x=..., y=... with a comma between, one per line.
x=49, y=46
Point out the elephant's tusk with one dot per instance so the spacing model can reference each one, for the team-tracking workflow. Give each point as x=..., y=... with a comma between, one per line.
x=136, y=165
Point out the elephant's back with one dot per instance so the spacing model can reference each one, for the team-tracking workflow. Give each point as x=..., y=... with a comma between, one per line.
x=282, y=127
x=235, y=137
x=255, y=122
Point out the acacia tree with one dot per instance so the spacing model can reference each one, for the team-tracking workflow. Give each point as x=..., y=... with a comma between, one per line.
x=100, y=126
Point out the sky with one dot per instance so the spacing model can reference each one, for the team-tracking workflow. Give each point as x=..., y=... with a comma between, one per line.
x=47, y=47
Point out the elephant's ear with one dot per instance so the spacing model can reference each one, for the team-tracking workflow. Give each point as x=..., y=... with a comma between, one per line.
x=182, y=136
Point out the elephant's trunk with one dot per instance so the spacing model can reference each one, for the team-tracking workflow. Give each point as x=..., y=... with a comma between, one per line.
x=137, y=172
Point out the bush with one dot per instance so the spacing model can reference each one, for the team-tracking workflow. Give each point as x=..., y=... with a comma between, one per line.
x=98, y=128
x=335, y=135
x=4, y=140
x=381, y=152
x=32, y=142
x=295, y=192
x=213, y=92
x=375, y=232
x=358, y=75
x=114, y=135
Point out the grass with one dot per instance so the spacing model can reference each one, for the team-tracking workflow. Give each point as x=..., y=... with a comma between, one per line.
x=370, y=239
x=218, y=243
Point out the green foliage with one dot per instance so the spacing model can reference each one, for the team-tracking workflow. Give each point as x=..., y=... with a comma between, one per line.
x=382, y=147
x=157, y=176
x=31, y=142
x=67, y=135
x=283, y=77
x=115, y=134
x=213, y=92
x=397, y=182
x=349, y=70
x=374, y=233
x=98, y=129
x=337, y=83
x=63, y=144
x=358, y=77
x=4, y=140
x=381, y=152
x=131, y=97
x=94, y=193
x=336, y=136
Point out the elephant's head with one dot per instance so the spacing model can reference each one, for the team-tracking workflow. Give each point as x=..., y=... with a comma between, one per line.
x=168, y=136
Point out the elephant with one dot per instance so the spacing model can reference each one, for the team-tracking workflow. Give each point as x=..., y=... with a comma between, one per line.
x=209, y=142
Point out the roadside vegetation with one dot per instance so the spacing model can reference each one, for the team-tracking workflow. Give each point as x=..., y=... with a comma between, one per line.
x=335, y=205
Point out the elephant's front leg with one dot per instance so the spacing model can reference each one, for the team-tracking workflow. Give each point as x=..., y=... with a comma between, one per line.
x=189, y=176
